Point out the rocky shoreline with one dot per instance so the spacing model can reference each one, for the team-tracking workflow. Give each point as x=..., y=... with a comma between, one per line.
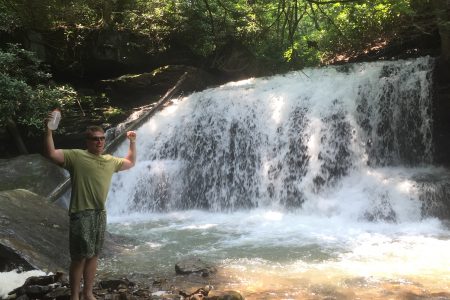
x=33, y=236
x=56, y=286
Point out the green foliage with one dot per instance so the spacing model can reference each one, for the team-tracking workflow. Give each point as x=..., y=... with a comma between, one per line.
x=22, y=65
x=112, y=112
x=355, y=26
x=9, y=20
x=26, y=92
x=12, y=91
x=296, y=33
x=156, y=19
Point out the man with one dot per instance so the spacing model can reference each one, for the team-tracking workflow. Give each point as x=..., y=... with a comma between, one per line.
x=90, y=175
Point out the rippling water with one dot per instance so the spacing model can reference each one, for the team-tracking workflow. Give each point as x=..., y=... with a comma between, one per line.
x=309, y=185
x=289, y=253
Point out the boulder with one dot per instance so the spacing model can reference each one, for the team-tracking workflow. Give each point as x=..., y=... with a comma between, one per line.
x=31, y=172
x=115, y=284
x=34, y=233
x=35, y=230
x=194, y=265
x=224, y=295
x=36, y=287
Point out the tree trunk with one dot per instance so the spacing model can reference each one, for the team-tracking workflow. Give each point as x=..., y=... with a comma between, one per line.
x=14, y=131
x=107, y=9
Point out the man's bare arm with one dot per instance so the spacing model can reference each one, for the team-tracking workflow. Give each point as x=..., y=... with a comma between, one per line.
x=56, y=155
x=130, y=159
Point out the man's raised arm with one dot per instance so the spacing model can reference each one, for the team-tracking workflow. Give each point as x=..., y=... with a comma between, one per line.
x=130, y=159
x=56, y=155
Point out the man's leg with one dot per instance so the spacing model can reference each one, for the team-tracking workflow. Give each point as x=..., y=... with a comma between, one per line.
x=75, y=272
x=87, y=231
x=90, y=268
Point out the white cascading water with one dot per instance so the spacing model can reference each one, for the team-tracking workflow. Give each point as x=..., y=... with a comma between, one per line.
x=314, y=182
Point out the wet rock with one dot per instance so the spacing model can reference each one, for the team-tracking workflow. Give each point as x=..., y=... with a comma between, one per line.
x=31, y=172
x=200, y=293
x=225, y=295
x=38, y=287
x=9, y=259
x=35, y=291
x=166, y=296
x=45, y=280
x=142, y=293
x=36, y=235
x=116, y=284
x=159, y=282
x=113, y=289
x=434, y=194
x=60, y=293
x=156, y=82
x=194, y=265
x=23, y=297
x=31, y=234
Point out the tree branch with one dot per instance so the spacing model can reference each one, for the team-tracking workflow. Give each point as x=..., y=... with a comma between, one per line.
x=314, y=17
x=211, y=19
x=330, y=20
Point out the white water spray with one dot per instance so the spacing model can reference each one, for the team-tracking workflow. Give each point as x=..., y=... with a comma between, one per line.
x=320, y=177
x=299, y=140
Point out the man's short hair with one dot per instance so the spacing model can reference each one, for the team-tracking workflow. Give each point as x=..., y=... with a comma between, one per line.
x=91, y=129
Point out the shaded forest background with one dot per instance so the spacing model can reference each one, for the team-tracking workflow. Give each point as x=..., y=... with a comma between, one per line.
x=98, y=60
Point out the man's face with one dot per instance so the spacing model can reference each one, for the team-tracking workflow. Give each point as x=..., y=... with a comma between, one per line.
x=96, y=142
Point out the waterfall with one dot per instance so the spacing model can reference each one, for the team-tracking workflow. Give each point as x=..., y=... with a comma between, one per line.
x=313, y=184
x=352, y=140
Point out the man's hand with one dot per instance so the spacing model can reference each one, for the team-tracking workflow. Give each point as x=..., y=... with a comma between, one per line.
x=56, y=155
x=46, y=119
x=130, y=159
x=131, y=135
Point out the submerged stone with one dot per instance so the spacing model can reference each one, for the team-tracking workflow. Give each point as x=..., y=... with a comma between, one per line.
x=194, y=265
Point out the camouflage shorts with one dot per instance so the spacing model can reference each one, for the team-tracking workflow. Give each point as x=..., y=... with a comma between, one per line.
x=87, y=233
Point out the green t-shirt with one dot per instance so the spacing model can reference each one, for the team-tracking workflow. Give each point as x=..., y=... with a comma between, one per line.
x=90, y=176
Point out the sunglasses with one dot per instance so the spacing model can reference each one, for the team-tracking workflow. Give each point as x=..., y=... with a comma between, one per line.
x=96, y=138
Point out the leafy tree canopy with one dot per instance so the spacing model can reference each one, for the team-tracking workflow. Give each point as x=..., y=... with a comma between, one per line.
x=290, y=34
x=299, y=32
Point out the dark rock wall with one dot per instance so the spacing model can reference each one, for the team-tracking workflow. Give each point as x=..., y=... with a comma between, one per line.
x=87, y=55
x=441, y=112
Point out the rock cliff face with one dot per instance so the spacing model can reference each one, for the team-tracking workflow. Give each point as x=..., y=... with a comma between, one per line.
x=441, y=112
x=88, y=54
